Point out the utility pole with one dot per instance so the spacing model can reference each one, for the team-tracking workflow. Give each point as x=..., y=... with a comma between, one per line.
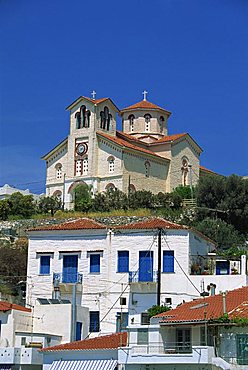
x=159, y=266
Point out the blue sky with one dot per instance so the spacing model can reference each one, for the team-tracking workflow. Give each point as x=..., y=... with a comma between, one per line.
x=190, y=55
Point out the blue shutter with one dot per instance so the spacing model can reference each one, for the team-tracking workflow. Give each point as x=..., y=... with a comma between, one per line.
x=146, y=266
x=168, y=261
x=70, y=268
x=94, y=321
x=45, y=265
x=95, y=263
x=79, y=330
x=123, y=261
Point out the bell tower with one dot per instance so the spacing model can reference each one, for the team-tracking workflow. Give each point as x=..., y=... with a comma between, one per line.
x=145, y=121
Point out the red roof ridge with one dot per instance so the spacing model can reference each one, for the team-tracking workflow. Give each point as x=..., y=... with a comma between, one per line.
x=7, y=306
x=126, y=144
x=210, y=307
x=144, y=104
x=109, y=341
x=152, y=223
x=77, y=224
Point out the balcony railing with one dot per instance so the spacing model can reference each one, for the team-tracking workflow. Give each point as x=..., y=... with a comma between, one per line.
x=137, y=277
x=67, y=278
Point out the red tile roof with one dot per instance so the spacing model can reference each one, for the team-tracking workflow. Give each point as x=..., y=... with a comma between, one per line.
x=126, y=144
x=170, y=138
x=152, y=223
x=209, y=307
x=112, y=341
x=204, y=169
x=94, y=101
x=6, y=306
x=144, y=104
x=81, y=223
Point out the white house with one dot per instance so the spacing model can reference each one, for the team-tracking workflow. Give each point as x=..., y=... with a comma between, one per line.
x=23, y=331
x=204, y=334
x=119, y=272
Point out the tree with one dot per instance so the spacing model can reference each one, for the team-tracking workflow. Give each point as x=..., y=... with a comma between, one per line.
x=21, y=205
x=49, y=204
x=4, y=209
x=222, y=233
x=225, y=198
x=83, y=198
x=13, y=264
x=156, y=309
x=141, y=199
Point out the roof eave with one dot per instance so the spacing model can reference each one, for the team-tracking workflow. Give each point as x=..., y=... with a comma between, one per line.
x=47, y=155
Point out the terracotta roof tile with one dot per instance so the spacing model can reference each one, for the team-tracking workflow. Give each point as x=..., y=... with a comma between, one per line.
x=112, y=341
x=6, y=306
x=209, y=307
x=144, y=104
x=152, y=223
x=81, y=223
x=169, y=138
x=126, y=144
x=204, y=169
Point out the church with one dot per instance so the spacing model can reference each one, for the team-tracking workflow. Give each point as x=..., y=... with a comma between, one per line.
x=140, y=156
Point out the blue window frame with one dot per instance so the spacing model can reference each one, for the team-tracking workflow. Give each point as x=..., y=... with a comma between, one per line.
x=45, y=265
x=146, y=266
x=94, y=321
x=70, y=268
x=79, y=326
x=95, y=263
x=123, y=261
x=168, y=261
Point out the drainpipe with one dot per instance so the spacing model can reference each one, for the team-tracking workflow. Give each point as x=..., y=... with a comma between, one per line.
x=159, y=266
x=243, y=265
x=73, y=313
x=224, y=302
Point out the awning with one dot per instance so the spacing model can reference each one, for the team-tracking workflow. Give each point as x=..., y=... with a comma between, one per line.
x=84, y=365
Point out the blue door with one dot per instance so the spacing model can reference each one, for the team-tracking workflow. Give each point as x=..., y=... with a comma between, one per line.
x=70, y=268
x=222, y=267
x=146, y=266
x=79, y=326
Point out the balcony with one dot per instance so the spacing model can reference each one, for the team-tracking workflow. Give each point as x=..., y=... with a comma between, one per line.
x=62, y=278
x=138, y=277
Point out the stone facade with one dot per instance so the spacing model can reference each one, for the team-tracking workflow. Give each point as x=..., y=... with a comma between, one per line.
x=143, y=155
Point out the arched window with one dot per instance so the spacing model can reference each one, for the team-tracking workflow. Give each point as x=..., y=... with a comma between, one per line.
x=87, y=118
x=85, y=165
x=58, y=194
x=78, y=120
x=83, y=115
x=106, y=118
x=147, y=122
x=185, y=171
x=131, y=122
x=58, y=168
x=110, y=186
x=147, y=169
x=132, y=188
x=111, y=164
x=161, y=123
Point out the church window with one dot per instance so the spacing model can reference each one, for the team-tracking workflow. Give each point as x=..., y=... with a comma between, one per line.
x=83, y=115
x=78, y=120
x=58, y=194
x=131, y=122
x=147, y=122
x=87, y=118
x=185, y=171
x=161, y=123
x=110, y=186
x=85, y=166
x=58, y=171
x=78, y=167
x=147, y=169
x=105, y=119
x=111, y=163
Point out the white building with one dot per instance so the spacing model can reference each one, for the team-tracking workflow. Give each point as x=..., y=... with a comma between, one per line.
x=6, y=191
x=23, y=331
x=115, y=271
x=141, y=156
x=191, y=337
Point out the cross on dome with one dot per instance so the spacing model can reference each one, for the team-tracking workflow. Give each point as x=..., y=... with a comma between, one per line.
x=145, y=93
x=93, y=95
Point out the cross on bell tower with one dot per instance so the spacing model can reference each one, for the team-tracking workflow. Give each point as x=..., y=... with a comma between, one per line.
x=93, y=95
x=145, y=93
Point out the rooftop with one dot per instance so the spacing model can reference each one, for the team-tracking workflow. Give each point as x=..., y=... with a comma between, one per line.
x=6, y=306
x=111, y=341
x=144, y=104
